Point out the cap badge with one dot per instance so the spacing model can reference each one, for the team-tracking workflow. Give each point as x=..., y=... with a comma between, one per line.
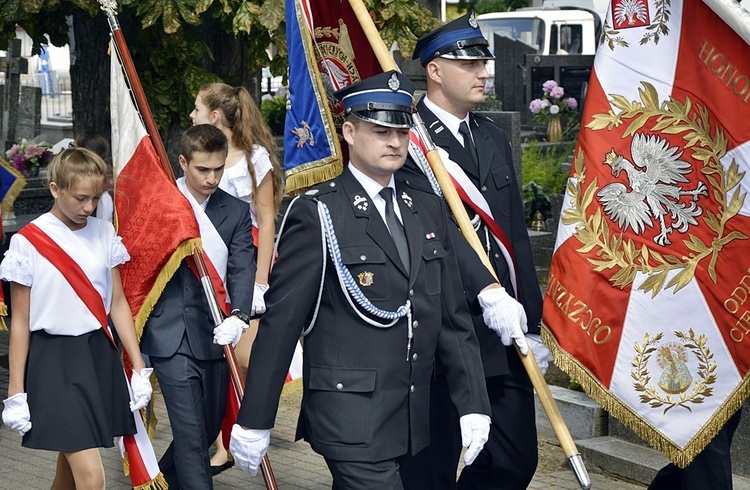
x=366, y=279
x=393, y=83
x=407, y=200
x=360, y=203
x=473, y=21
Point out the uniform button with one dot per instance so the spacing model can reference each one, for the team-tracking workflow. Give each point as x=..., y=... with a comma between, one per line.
x=415, y=323
x=411, y=293
x=407, y=182
x=339, y=386
x=434, y=252
x=497, y=256
x=363, y=257
x=414, y=357
x=411, y=388
x=187, y=309
x=332, y=184
x=484, y=188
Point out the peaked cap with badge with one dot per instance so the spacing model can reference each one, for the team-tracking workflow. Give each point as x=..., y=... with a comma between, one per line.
x=385, y=99
x=460, y=39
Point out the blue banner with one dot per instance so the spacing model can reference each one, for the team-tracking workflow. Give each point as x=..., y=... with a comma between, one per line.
x=312, y=153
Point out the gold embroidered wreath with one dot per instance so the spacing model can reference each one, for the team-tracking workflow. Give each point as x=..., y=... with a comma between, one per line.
x=615, y=252
x=702, y=387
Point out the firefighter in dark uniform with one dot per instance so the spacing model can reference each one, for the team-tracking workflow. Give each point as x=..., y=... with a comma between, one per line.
x=380, y=302
x=454, y=57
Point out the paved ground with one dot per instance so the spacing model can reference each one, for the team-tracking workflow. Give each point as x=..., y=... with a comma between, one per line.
x=295, y=465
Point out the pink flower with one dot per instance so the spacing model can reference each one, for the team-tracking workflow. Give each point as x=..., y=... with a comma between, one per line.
x=572, y=103
x=549, y=85
x=536, y=106
x=13, y=150
x=557, y=92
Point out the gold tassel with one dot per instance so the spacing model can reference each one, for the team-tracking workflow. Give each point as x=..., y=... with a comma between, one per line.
x=15, y=189
x=158, y=483
x=633, y=420
x=3, y=314
x=125, y=464
x=310, y=174
x=184, y=250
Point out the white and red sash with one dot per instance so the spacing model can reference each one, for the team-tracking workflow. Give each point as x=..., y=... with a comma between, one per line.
x=215, y=251
x=136, y=449
x=473, y=198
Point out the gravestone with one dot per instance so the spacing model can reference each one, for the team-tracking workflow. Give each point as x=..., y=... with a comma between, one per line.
x=13, y=65
x=510, y=73
x=29, y=117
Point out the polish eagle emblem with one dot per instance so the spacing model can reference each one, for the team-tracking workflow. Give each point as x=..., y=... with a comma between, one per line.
x=653, y=192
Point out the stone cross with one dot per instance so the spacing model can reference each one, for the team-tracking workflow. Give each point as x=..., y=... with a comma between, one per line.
x=13, y=65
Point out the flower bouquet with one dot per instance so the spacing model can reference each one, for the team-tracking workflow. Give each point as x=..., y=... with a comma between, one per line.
x=549, y=108
x=28, y=157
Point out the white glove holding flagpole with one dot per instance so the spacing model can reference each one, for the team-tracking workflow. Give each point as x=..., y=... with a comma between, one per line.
x=505, y=316
x=140, y=385
x=541, y=352
x=475, y=430
x=16, y=413
x=248, y=446
x=230, y=331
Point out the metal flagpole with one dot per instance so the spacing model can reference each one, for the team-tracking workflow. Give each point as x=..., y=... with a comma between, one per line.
x=109, y=7
x=454, y=202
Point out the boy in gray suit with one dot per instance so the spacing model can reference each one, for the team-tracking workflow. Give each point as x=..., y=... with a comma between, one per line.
x=179, y=336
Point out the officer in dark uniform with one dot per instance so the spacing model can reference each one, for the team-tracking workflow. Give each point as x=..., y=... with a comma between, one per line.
x=382, y=306
x=454, y=57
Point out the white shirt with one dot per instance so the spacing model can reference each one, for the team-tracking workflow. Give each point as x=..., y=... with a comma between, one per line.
x=54, y=306
x=237, y=182
x=373, y=189
x=450, y=121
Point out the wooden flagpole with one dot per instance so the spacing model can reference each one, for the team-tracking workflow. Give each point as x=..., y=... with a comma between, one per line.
x=459, y=212
x=109, y=7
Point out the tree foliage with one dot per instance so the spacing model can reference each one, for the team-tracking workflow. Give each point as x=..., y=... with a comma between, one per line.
x=178, y=45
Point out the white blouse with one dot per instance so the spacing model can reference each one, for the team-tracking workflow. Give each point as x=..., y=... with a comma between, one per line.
x=54, y=306
x=237, y=182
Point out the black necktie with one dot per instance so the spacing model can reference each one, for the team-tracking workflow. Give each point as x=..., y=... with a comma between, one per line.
x=395, y=226
x=463, y=129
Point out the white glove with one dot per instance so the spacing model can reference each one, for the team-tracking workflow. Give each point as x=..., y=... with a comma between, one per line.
x=505, y=316
x=16, y=413
x=230, y=331
x=140, y=384
x=541, y=353
x=248, y=446
x=475, y=430
x=259, y=304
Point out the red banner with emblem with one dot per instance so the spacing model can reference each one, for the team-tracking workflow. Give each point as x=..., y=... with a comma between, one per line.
x=647, y=302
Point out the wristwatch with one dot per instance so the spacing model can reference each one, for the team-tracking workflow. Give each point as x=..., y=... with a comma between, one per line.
x=241, y=315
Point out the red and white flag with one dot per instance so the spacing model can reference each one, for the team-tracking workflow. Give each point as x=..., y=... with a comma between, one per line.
x=147, y=204
x=647, y=303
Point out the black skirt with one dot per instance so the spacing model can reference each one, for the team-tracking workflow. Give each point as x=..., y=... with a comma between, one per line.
x=77, y=393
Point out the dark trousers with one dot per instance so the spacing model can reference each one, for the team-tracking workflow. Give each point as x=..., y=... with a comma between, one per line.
x=508, y=460
x=195, y=395
x=710, y=470
x=391, y=474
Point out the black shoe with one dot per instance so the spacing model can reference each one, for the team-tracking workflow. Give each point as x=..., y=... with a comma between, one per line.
x=215, y=470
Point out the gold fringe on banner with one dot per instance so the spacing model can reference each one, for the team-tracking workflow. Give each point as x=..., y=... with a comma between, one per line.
x=185, y=249
x=158, y=483
x=15, y=189
x=292, y=387
x=3, y=314
x=633, y=420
